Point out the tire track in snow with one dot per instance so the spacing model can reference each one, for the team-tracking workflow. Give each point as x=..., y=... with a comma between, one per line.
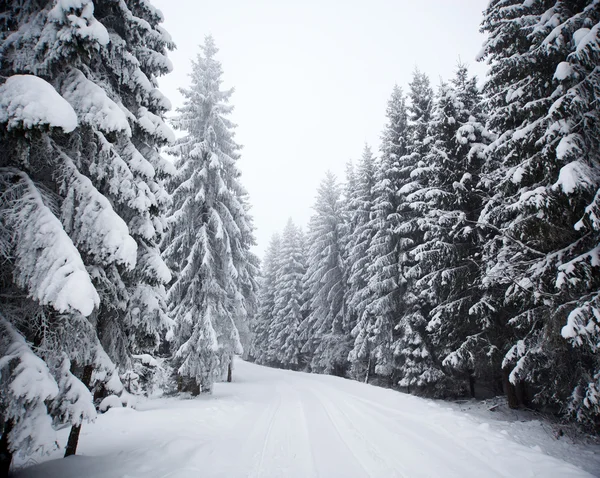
x=460, y=468
x=340, y=436
x=274, y=410
x=286, y=450
x=379, y=465
x=307, y=433
x=476, y=454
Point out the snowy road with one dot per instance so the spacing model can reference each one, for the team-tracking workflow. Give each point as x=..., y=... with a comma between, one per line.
x=274, y=423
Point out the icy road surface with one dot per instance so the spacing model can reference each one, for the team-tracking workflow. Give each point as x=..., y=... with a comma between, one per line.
x=279, y=424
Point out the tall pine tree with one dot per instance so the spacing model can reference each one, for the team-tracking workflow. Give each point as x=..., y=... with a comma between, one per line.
x=285, y=336
x=210, y=232
x=327, y=342
x=374, y=333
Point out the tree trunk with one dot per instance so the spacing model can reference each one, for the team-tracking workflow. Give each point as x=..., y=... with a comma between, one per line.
x=368, y=369
x=5, y=453
x=521, y=393
x=229, y=372
x=472, y=384
x=509, y=389
x=76, y=429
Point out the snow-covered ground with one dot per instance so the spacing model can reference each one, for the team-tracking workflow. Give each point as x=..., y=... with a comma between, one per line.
x=276, y=423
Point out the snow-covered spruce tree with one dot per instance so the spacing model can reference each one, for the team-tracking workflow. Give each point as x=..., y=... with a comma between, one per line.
x=327, y=343
x=448, y=257
x=284, y=331
x=349, y=201
x=210, y=232
x=374, y=331
x=415, y=364
x=542, y=92
x=107, y=83
x=249, y=288
x=266, y=303
x=360, y=234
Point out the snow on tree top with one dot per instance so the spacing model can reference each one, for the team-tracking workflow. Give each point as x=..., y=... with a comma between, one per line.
x=29, y=101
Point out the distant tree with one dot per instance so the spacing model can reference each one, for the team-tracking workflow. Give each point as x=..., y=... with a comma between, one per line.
x=285, y=341
x=360, y=205
x=266, y=300
x=210, y=232
x=374, y=332
x=327, y=343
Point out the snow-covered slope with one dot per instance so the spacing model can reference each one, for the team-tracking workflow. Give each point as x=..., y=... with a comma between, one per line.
x=276, y=423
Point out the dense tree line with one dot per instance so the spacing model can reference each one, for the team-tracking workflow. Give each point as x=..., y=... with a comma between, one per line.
x=87, y=296
x=465, y=259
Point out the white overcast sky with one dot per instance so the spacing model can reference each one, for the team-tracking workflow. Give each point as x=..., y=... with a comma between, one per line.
x=312, y=78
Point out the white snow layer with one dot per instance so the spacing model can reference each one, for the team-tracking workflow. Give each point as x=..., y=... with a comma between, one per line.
x=55, y=274
x=277, y=423
x=27, y=101
x=154, y=125
x=574, y=176
x=85, y=25
x=563, y=71
x=93, y=106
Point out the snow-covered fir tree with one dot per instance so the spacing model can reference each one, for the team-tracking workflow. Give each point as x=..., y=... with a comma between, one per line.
x=360, y=234
x=81, y=194
x=326, y=342
x=349, y=201
x=266, y=303
x=448, y=259
x=210, y=232
x=285, y=339
x=542, y=217
x=374, y=332
x=414, y=361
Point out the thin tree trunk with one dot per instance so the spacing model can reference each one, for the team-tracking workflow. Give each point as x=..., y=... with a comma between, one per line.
x=368, y=369
x=472, y=384
x=5, y=453
x=76, y=429
x=229, y=372
x=509, y=389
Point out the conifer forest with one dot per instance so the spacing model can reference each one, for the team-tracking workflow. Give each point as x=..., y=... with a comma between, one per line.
x=456, y=262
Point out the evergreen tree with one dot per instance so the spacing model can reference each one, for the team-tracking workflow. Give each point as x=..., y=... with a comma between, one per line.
x=81, y=195
x=542, y=216
x=360, y=235
x=448, y=258
x=412, y=355
x=285, y=343
x=266, y=309
x=374, y=332
x=348, y=205
x=327, y=343
x=210, y=234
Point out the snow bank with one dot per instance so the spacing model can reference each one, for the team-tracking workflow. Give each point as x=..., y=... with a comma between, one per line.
x=27, y=101
x=112, y=401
